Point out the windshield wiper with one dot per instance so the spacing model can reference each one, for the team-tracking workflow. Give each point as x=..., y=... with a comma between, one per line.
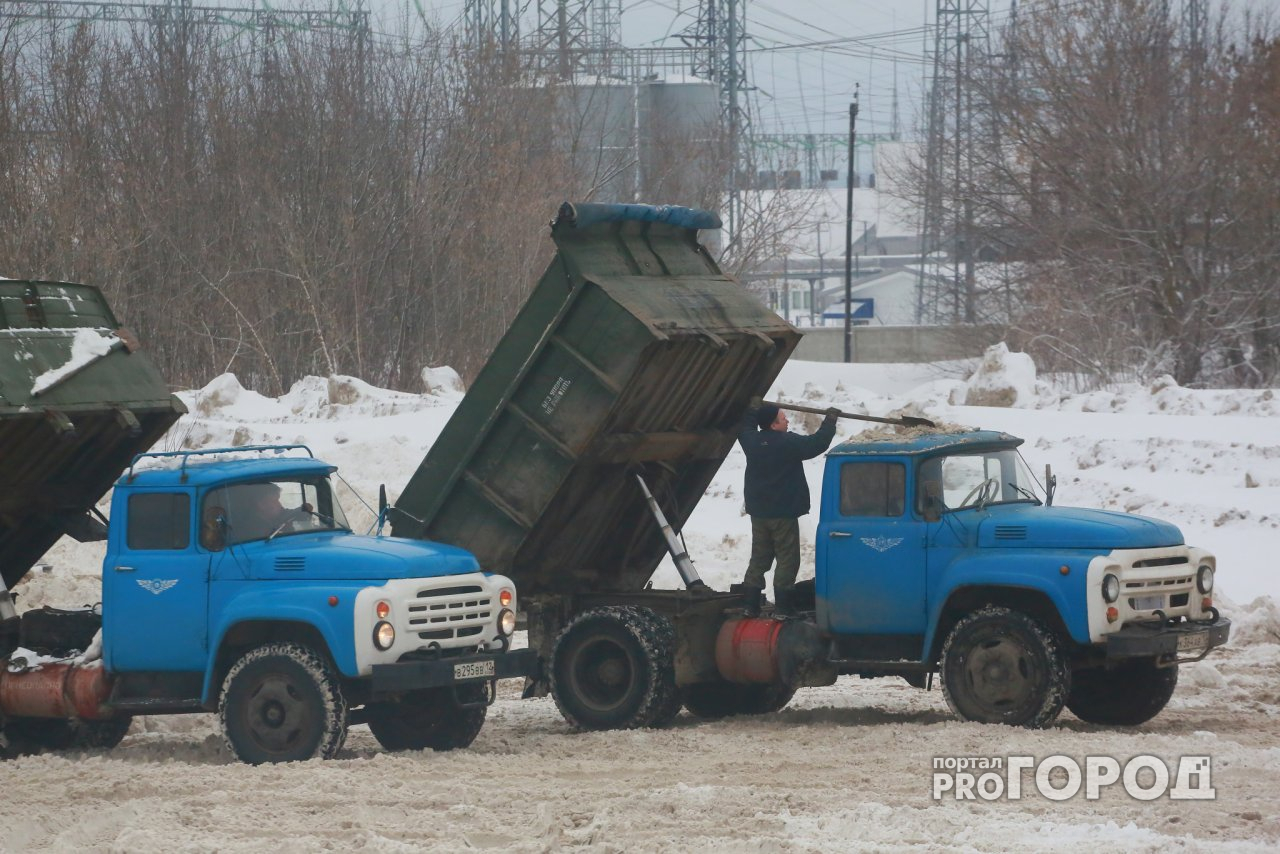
x=1031, y=495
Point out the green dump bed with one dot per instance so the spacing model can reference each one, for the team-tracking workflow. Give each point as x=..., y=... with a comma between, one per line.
x=634, y=354
x=76, y=403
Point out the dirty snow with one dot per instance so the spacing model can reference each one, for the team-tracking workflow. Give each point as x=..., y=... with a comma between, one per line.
x=87, y=345
x=842, y=768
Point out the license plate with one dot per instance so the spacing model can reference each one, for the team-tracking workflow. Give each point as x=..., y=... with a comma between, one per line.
x=481, y=669
x=1148, y=603
x=1189, y=643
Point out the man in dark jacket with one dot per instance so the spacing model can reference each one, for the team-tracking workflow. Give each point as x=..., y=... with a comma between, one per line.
x=777, y=495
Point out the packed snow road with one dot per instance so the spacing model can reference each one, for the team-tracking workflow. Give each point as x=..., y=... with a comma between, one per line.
x=843, y=768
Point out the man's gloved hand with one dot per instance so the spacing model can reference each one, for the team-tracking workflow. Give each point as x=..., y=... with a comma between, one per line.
x=832, y=413
x=755, y=402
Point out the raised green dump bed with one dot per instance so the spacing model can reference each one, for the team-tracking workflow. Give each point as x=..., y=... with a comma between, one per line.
x=634, y=354
x=76, y=403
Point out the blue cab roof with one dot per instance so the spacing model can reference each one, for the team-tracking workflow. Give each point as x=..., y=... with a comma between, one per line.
x=925, y=443
x=202, y=470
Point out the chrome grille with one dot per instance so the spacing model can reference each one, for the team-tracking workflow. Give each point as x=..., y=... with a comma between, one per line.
x=451, y=612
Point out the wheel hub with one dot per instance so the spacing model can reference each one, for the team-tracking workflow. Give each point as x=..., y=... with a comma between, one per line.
x=602, y=674
x=277, y=714
x=1000, y=674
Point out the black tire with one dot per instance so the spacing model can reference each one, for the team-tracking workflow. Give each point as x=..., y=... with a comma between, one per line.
x=35, y=734
x=1128, y=695
x=613, y=668
x=282, y=702
x=429, y=719
x=1003, y=667
x=721, y=699
x=669, y=704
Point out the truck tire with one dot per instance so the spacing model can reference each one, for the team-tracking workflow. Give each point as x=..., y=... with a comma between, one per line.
x=281, y=702
x=1001, y=666
x=429, y=719
x=613, y=668
x=35, y=734
x=1128, y=695
x=669, y=704
x=721, y=699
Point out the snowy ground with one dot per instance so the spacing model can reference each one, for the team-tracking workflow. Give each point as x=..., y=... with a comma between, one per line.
x=845, y=767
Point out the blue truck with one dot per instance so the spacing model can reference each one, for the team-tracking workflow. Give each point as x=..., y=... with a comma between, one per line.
x=941, y=552
x=600, y=419
x=232, y=581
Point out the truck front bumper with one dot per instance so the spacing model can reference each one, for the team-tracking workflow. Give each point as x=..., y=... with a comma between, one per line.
x=416, y=674
x=1184, y=641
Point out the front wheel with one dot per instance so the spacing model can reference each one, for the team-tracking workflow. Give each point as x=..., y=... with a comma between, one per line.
x=1128, y=695
x=429, y=719
x=1001, y=666
x=281, y=702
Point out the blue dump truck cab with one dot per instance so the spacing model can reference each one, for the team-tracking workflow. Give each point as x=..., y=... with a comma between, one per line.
x=939, y=551
x=232, y=582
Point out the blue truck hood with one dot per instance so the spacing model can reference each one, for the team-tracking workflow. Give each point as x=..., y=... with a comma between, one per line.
x=1028, y=526
x=353, y=557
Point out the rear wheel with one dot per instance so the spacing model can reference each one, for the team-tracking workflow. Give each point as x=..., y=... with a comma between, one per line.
x=1001, y=666
x=429, y=719
x=31, y=734
x=613, y=668
x=1128, y=695
x=282, y=702
x=721, y=699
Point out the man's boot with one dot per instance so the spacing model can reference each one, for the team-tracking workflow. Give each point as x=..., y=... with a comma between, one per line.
x=751, y=597
x=785, y=608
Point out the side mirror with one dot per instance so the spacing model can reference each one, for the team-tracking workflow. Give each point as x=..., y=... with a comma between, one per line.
x=932, y=500
x=214, y=535
x=382, y=506
x=1050, y=485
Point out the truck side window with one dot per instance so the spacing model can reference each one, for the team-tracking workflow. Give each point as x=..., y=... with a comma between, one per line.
x=873, y=489
x=159, y=520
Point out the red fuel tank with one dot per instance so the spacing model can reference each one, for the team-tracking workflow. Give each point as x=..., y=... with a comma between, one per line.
x=747, y=650
x=60, y=690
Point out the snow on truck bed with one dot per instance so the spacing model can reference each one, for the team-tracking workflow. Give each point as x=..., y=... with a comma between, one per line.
x=842, y=768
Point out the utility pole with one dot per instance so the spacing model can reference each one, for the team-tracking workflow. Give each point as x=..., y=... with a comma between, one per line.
x=848, y=231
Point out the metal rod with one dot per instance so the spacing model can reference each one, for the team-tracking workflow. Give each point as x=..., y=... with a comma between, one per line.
x=680, y=557
x=901, y=421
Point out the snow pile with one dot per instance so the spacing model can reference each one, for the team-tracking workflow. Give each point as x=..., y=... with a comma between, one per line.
x=87, y=346
x=1002, y=379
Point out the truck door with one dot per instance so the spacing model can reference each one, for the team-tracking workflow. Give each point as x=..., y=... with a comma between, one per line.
x=871, y=569
x=155, y=587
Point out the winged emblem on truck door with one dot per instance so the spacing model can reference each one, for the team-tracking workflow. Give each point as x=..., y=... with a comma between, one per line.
x=881, y=544
x=156, y=585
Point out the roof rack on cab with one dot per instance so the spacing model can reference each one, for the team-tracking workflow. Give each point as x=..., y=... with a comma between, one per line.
x=244, y=449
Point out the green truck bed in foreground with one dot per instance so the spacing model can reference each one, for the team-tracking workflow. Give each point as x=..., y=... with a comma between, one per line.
x=634, y=355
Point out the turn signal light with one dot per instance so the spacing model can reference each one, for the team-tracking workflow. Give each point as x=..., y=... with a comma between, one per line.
x=504, y=598
x=383, y=608
x=1112, y=615
x=1206, y=603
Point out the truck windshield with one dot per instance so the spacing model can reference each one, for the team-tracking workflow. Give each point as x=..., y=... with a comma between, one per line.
x=266, y=509
x=982, y=479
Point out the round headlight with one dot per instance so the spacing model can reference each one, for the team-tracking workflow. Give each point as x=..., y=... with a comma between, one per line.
x=507, y=621
x=1110, y=587
x=384, y=635
x=1204, y=579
